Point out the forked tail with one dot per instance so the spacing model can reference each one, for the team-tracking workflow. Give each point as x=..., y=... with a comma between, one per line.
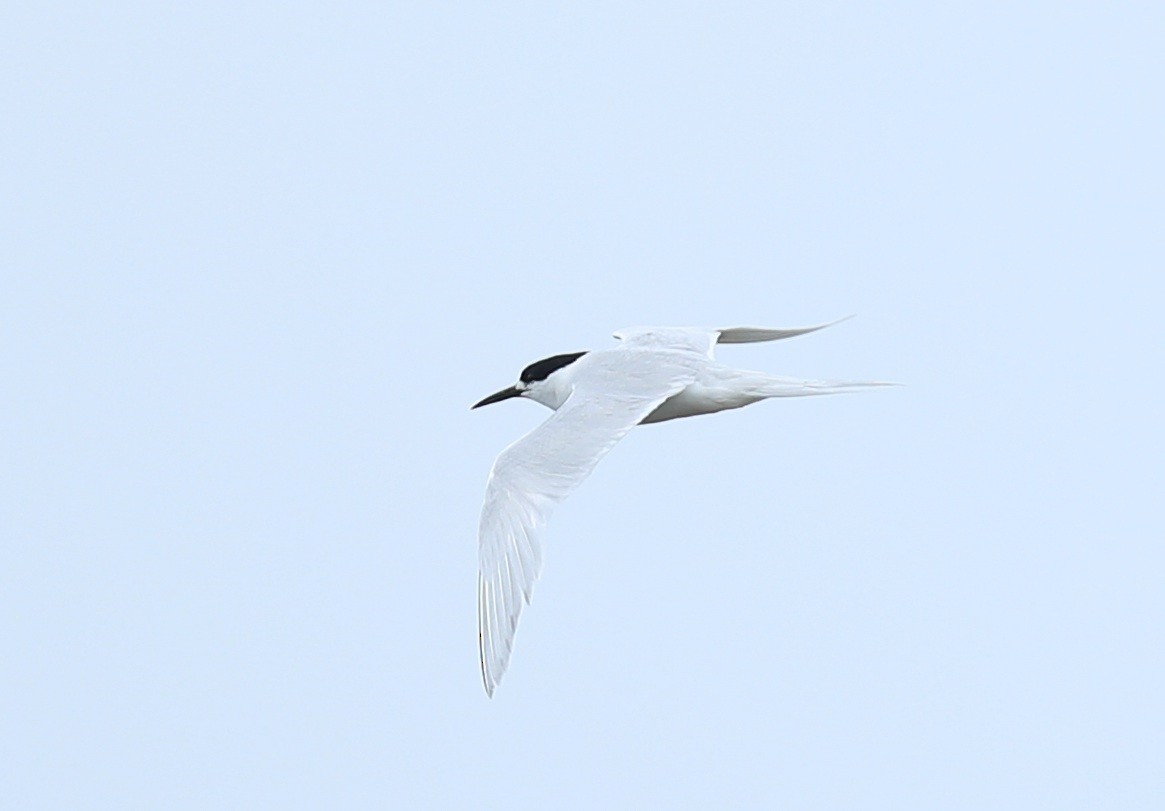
x=791, y=387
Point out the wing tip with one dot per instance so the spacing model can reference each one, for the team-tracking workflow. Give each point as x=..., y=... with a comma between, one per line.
x=747, y=335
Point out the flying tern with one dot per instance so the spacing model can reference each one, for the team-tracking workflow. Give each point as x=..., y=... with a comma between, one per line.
x=653, y=374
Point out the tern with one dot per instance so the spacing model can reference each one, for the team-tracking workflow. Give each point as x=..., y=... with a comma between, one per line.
x=653, y=374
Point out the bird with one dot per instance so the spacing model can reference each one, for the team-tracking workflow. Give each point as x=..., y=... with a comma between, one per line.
x=652, y=375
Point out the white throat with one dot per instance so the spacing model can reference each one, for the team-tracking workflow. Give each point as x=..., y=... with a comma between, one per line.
x=553, y=391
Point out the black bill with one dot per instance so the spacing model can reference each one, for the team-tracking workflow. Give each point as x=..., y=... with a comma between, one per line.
x=497, y=397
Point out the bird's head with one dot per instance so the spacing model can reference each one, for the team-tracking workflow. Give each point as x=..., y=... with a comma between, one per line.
x=542, y=381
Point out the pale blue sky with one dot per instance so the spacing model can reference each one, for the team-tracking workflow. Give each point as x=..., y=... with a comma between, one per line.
x=258, y=261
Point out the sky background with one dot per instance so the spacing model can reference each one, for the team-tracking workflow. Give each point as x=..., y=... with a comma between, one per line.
x=259, y=260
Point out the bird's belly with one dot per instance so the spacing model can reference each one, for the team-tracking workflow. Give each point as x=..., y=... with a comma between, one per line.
x=698, y=398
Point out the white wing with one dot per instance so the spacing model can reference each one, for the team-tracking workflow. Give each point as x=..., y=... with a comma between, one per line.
x=614, y=390
x=703, y=340
x=698, y=340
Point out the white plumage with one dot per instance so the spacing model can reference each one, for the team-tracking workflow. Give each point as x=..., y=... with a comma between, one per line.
x=653, y=374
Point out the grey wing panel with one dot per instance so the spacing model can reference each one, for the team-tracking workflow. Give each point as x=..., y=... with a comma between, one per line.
x=748, y=335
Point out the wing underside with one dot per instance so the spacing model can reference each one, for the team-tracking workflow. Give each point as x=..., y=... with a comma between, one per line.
x=614, y=391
